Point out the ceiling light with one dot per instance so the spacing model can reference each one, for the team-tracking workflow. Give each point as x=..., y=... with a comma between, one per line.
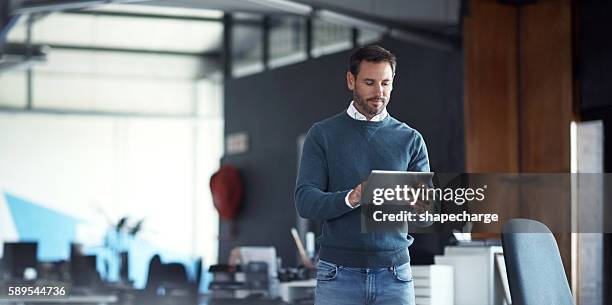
x=285, y=5
x=350, y=21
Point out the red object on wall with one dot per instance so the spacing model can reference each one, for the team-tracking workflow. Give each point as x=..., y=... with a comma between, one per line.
x=227, y=190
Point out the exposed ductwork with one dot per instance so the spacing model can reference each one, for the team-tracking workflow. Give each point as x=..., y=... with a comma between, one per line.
x=10, y=10
x=21, y=7
x=431, y=23
x=21, y=56
x=11, y=55
x=431, y=14
x=6, y=21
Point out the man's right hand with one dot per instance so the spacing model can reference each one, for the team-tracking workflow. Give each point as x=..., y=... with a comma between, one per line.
x=354, y=196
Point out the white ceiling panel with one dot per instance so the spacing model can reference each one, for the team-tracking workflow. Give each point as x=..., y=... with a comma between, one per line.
x=123, y=32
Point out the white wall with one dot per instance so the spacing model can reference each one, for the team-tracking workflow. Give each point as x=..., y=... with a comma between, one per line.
x=144, y=168
x=100, y=168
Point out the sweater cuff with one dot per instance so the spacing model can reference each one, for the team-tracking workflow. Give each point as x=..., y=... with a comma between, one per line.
x=346, y=200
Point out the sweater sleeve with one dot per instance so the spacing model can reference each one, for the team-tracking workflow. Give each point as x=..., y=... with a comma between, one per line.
x=312, y=199
x=419, y=161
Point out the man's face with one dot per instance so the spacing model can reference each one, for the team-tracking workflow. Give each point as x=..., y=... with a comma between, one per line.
x=371, y=87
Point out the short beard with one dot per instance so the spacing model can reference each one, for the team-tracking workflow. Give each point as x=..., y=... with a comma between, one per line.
x=363, y=105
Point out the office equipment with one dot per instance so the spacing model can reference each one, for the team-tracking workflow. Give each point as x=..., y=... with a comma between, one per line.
x=310, y=244
x=83, y=272
x=295, y=274
x=259, y=274
x=475, y=279
x=298, y=291
x=433, y=284
x=302, y=252
x=18, y=256
x=227, y=282
x=256, y=274
x=534, y=266
x=260, y=254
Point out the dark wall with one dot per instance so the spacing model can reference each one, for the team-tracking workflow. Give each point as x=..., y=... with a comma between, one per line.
x=276, y=106
x=594, y=73
x=594, y=67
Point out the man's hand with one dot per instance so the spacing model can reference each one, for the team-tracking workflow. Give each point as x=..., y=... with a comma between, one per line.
x=354, y=196
x=421, y=206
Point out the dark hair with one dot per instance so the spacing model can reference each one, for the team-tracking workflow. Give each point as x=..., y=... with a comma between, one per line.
x=372, y=53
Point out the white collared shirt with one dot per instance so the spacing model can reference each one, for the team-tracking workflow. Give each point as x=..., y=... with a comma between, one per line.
x=355, y=114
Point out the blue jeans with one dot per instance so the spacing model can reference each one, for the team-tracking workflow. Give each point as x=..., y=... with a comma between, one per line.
x=337, y=285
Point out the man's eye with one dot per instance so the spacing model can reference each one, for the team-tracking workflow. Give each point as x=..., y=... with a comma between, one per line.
x=369, y=83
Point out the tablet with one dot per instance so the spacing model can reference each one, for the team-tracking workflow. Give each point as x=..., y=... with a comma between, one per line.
x=391, y=180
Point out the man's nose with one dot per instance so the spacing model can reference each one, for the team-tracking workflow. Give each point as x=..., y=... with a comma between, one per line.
x=380, y=90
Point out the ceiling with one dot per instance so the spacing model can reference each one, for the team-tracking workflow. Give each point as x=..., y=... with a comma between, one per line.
x=437, y=15
x=113, y=27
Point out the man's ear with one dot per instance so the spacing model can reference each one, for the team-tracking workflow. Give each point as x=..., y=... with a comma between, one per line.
x=350, y=80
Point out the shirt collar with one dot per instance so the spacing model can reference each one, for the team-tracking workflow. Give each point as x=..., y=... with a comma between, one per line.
x=355, y=114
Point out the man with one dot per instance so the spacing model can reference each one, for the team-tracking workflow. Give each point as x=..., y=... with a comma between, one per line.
x=339, y=153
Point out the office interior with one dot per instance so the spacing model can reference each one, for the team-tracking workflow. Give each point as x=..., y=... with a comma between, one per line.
x=115, y=115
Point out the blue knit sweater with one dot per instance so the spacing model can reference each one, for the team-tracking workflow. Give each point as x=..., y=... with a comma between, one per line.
x=338, y=154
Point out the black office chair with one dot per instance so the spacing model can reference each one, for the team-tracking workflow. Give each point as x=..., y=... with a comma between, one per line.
x=170, y=276
x=198, y=274
x=18, y=256
x=533, y=263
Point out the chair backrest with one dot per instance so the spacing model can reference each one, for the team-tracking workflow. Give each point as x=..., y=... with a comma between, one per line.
x=167, y=276
x=176, y=274
x=533, y=264
x=198, y=274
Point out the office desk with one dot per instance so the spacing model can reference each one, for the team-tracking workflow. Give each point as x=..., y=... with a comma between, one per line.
x=89, y=299
x=475, y=274
x=245, y=301
x=151, y=300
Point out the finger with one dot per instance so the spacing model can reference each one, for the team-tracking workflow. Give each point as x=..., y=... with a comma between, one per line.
x=424, y=206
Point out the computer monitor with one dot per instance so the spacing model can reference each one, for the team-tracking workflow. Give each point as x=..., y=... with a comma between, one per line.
x=17, y=256
x=260, y=254
x=83, y=271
